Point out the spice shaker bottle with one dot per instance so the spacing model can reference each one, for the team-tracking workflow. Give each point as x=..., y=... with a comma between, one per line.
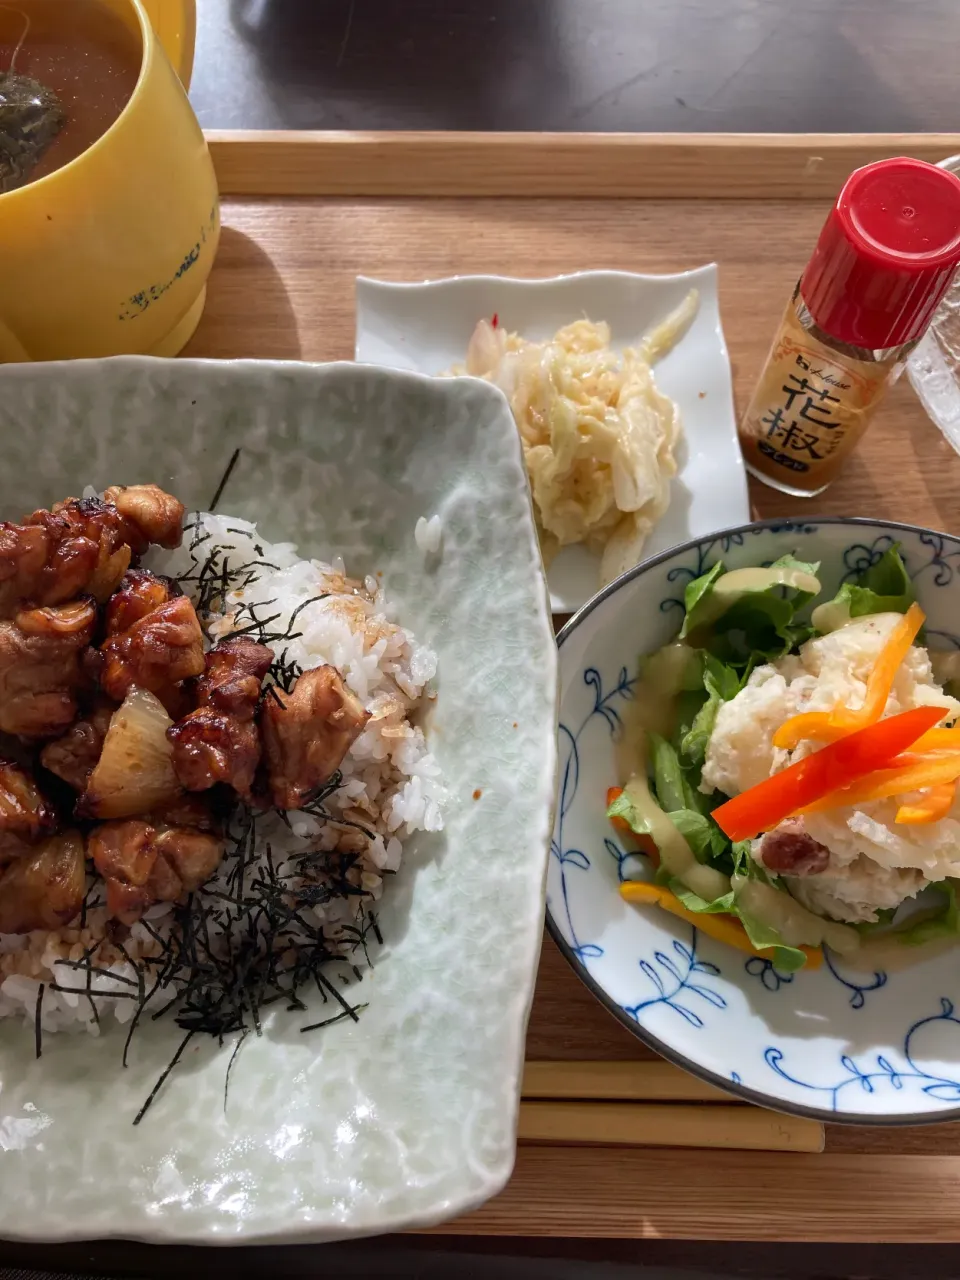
x=885, y=257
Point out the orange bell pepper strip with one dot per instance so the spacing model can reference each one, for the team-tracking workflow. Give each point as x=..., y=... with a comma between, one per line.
x=834, y=766
x=715, y=925
x=939, y=740
x=829, y=726
x=908, y=773
x=934, y=805
x=646, y=843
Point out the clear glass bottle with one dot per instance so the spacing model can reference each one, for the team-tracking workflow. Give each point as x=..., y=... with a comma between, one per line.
x=884, y=259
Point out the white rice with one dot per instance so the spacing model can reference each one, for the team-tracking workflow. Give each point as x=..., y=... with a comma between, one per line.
x=390, y=782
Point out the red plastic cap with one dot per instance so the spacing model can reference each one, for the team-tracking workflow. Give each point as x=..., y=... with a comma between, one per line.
x=886, y=254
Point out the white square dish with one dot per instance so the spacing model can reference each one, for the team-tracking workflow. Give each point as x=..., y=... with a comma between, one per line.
x=426, y=327
x=409, y=1115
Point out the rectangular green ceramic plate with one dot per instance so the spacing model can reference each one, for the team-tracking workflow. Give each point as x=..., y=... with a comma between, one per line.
x=409, y=1116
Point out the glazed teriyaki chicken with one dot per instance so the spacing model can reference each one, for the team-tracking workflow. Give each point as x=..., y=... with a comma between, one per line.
x=124, y=740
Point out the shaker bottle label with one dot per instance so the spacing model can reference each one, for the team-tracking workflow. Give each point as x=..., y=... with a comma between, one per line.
x=808, y=410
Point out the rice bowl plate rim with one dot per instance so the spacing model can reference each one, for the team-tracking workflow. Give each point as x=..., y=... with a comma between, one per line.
x=653, y=1041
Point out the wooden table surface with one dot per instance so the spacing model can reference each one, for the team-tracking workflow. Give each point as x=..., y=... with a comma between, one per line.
x=282, y=287
x=879, y=1201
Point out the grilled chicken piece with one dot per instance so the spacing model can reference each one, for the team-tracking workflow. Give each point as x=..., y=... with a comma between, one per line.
x=234, y=672
x=25, y=815
x=210, y=747
x=123, y=851
x=23, y=560
x=139, y=593
x=143, y=862
x=124, y=854
x=307, y=733
x=43, y=566
x=94, y=521
x=83, y=546
x=219, y=742
x=74, y=756
x=91, y=518
x=160, y=649
x=45, y=888
x=87, y=547
x=40, y=668
x=192, y=855
x=23, y=809
x=158, y=516
x=188, y=811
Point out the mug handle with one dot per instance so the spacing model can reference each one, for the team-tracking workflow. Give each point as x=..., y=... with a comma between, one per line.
x=175, y=22
x=12, y=350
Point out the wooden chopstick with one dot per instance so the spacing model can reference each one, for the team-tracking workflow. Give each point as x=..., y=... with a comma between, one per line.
x=621, y=1081
x=745, y=1128
x=629, y=1103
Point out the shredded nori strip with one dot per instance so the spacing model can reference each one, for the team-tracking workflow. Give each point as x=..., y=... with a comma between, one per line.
x=303, y=604
x=234, y=459
x=233, y=1058
x=37, y=1026
x=159, y=1085
x=337, y=1017
x=90, y=969
x=82, y=991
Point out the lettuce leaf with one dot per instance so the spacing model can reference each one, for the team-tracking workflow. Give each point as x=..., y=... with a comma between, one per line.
x=693, y=902
x=786, y=959
x=945, y=924
x=754, y=623
x=623, y=808
x=703, y=836
x=882, y=588
x=673, y=789
x=721, y=682
x=697, y=591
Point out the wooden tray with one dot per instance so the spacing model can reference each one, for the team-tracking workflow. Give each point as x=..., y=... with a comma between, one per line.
x=303, y=215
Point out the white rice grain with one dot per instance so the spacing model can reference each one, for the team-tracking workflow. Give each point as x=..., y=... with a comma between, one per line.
x=428, y=534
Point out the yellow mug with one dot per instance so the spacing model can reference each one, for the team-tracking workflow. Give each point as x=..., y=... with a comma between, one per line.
x=110, y=254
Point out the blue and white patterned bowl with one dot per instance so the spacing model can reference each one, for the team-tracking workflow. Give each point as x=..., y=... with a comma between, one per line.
x=838, y=1043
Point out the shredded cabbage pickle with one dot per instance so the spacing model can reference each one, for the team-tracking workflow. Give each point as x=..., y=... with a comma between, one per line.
x=599, y=438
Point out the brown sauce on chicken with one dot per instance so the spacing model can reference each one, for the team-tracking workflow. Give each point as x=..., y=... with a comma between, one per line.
x=107, y=696
x=220, y=741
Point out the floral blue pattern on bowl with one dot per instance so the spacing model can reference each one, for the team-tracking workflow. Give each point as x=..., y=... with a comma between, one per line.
x=841, y=1043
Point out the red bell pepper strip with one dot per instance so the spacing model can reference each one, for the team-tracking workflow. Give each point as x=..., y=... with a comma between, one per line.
x=837, y=765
